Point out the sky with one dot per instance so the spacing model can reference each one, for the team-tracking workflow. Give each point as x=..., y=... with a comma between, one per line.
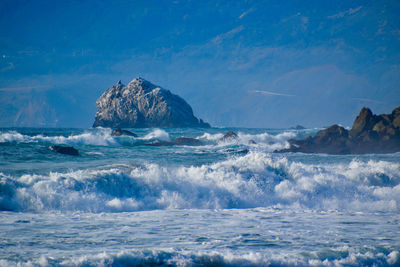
x=262, y=64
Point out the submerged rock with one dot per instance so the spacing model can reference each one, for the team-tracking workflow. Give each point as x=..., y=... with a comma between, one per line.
x=369, y=134
x=229, y=135
x=186, y=141
x=163, y=143
x=119, y=132
x=143, y=104
x=67, y=150
x=298, y=127
x=181, y=141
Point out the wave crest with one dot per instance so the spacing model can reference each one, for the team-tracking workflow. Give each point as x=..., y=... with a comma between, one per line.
x=157, y=134
x=254, y=180
x=171, y=257
x=265, y=141
x=98, y=136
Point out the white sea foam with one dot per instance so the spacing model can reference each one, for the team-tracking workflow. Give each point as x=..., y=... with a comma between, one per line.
x=102, y=137
x=254, y=180
x=266, y=141
x=157, y=134
x=211, y=137
x=12, y=136
x=99, y=136
x=266, y=137
x=171, y=257
x=94, y=153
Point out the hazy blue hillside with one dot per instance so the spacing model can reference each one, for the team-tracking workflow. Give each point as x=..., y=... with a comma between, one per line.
x=252, y=64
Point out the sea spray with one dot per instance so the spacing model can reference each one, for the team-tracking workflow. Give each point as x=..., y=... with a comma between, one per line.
x=253, y=180
x=99, y=137
x=157, y=134
x=231, y=203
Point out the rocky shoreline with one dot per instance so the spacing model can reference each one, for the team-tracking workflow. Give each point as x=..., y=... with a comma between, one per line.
x=369, y=134
x=141, y=104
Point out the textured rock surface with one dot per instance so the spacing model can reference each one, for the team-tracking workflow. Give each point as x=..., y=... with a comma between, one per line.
x=370, y=134
x=143, y=104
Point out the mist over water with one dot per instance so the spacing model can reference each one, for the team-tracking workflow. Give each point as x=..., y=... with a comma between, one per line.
x=232, y=202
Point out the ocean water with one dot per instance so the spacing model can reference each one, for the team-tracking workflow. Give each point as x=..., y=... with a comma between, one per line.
x=229, y=203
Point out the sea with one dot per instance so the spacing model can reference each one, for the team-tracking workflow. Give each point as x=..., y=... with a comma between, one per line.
x=226, y=203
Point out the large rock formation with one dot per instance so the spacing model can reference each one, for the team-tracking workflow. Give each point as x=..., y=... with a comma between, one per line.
x=143, y=104
x=370, y=134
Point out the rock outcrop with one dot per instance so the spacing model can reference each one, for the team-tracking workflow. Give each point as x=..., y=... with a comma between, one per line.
x=297, y=127
x=181, y=141
x=142, y=104
x=66, y=150
x=229, y=135
x=369, y=134
x=120, y=132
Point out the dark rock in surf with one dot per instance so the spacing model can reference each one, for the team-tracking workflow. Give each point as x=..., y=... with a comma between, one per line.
x=298, y=127
x=369, y=134
x=229, y=135
x=119, y=132
x=333, y=140
x=143, y=104
x=181, y=141
x=363, y=123
x=252, y=142
x=66, y=150
x=185, y=141
x=163, y=143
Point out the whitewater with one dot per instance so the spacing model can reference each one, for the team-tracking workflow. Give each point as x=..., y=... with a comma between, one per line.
x=228, y=202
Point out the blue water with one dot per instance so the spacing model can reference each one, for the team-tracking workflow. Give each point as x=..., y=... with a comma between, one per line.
x=232, y=203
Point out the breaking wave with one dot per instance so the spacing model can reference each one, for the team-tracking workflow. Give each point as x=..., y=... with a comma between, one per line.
x=265, y=141
x=157, y=134
x=100, y=137
x=170, y=257
x=254, y=180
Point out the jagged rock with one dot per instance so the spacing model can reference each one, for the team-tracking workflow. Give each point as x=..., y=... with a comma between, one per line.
x=143, y=104
x=229, y=135
x=298, y=127
x=370, y=134
x=332, y=140
x=119, y=132
x=181, y=141
x=363, y=123
x=396, y=118
x=67, y=150
x=252, y=142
